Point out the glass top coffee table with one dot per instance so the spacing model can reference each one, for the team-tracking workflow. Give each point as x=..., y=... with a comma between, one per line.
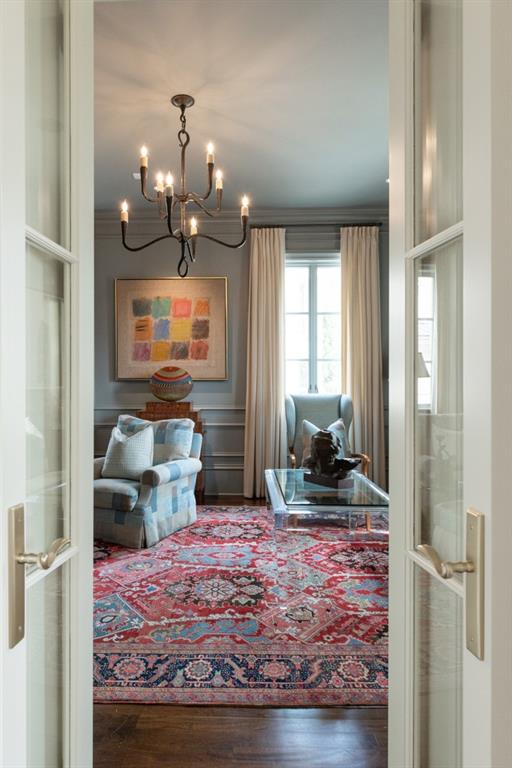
x=296, y=502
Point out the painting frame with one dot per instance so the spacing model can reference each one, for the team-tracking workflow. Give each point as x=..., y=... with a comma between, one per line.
x=127, y=288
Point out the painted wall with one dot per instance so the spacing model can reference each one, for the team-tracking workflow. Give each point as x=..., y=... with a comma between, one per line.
x=221, y=402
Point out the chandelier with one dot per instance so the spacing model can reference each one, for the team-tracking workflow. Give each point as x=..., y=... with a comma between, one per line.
x=168, y=200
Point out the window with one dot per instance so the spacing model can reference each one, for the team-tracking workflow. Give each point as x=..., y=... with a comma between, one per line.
x=425, y=306
x=313, y=324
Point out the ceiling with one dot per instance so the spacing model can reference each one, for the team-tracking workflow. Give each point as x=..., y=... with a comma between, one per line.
x=292, y=92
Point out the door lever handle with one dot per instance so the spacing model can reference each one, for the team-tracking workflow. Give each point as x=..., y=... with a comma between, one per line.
x=44, y=559
x=445, y=568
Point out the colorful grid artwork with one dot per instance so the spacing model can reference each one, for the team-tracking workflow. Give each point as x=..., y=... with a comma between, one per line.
x=171, y=334
x=168, y=321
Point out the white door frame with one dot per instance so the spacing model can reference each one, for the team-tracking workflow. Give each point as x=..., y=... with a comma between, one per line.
x=487, y=192
x=13, y=697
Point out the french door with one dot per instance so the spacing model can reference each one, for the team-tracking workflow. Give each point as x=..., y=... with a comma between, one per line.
x=450, y=368
x=46, y=365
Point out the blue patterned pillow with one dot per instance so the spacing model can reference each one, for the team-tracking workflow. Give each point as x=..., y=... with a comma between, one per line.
x=173, y=437
x=128, y=456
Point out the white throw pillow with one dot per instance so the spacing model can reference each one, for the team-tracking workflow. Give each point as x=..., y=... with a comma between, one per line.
x=173, y=437
x=129, y=455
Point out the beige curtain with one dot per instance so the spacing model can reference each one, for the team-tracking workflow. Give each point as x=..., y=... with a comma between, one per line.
x=361, y=355
x=265, y=427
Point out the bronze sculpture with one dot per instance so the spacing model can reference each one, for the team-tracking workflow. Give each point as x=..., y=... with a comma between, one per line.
x=324, y=462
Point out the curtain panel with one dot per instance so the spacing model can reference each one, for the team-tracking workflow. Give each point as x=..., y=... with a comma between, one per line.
x=361, y=354
x=265, y=426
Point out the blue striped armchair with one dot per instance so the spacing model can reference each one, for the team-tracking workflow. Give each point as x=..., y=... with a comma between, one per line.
x=139, y=514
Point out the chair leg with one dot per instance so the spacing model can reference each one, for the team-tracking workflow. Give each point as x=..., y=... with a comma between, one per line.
x=368, y=521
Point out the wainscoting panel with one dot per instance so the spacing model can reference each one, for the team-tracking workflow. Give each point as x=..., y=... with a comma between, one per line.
x=223, y=448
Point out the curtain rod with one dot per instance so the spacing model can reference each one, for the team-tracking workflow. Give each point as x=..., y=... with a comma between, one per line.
x=320, y=224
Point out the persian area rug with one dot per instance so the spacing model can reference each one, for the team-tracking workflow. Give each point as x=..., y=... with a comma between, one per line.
x=230, y=611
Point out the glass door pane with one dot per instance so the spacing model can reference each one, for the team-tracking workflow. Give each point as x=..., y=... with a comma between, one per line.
x=438, y=116
x=47, y=399
x=438, y=674
x=438, y=410
x=47, y=669
x=47, y=124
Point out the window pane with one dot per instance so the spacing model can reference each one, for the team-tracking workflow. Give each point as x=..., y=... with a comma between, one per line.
x=425, y=296
x=297, y=289
x=297, y=376
x=424, y=392
x=425, y=338
x=328, y=337
x=329, y=376
x=297, y=337
x=329, y=288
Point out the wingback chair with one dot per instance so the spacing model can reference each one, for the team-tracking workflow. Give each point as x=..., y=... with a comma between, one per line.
x=321, y=410
x=139, y=514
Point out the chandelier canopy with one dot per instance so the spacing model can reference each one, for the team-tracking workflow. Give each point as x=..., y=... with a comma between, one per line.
x=168, y=200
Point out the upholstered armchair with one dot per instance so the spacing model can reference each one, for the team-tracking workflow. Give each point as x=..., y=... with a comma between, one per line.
x=139, y=514
x=321, y=410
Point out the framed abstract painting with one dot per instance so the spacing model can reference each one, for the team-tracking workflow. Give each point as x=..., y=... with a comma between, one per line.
x=171, y=321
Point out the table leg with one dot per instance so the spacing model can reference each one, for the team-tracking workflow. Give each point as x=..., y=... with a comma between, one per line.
x=368, y=521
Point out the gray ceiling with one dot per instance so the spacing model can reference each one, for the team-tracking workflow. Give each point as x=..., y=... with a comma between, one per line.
x=292, y=92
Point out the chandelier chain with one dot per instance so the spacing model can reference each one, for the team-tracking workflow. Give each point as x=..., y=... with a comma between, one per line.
x=183, y=135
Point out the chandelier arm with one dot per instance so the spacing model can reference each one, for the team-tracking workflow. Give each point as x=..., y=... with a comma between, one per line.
x=143, y=186
x=191, y=253
x=146, y=245
x=182, y=264
x=198, y=201
x=168, y=201
x=210, y=183
x=229, y=245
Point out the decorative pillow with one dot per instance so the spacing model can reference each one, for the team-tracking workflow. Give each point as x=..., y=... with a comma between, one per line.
x=128, y=456
x=173, y=437
x=337, y=427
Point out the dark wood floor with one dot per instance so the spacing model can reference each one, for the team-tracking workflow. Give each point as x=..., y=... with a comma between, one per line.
x=151, y=735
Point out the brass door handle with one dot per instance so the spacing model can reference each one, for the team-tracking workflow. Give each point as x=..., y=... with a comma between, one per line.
x=445, y=568
x=44, y=559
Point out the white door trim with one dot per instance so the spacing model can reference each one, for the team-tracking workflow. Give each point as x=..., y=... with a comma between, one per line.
x=401, y=650
x=41, y=241
x=82, y=376
x=487, y=164
x=12, y=427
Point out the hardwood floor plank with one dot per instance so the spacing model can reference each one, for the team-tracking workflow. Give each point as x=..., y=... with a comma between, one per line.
x=146, y=736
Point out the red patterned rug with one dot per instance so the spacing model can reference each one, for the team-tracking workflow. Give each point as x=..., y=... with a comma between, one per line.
x=230, y=611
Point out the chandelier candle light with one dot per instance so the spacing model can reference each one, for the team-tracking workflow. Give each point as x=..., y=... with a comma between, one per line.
x=167, y=200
